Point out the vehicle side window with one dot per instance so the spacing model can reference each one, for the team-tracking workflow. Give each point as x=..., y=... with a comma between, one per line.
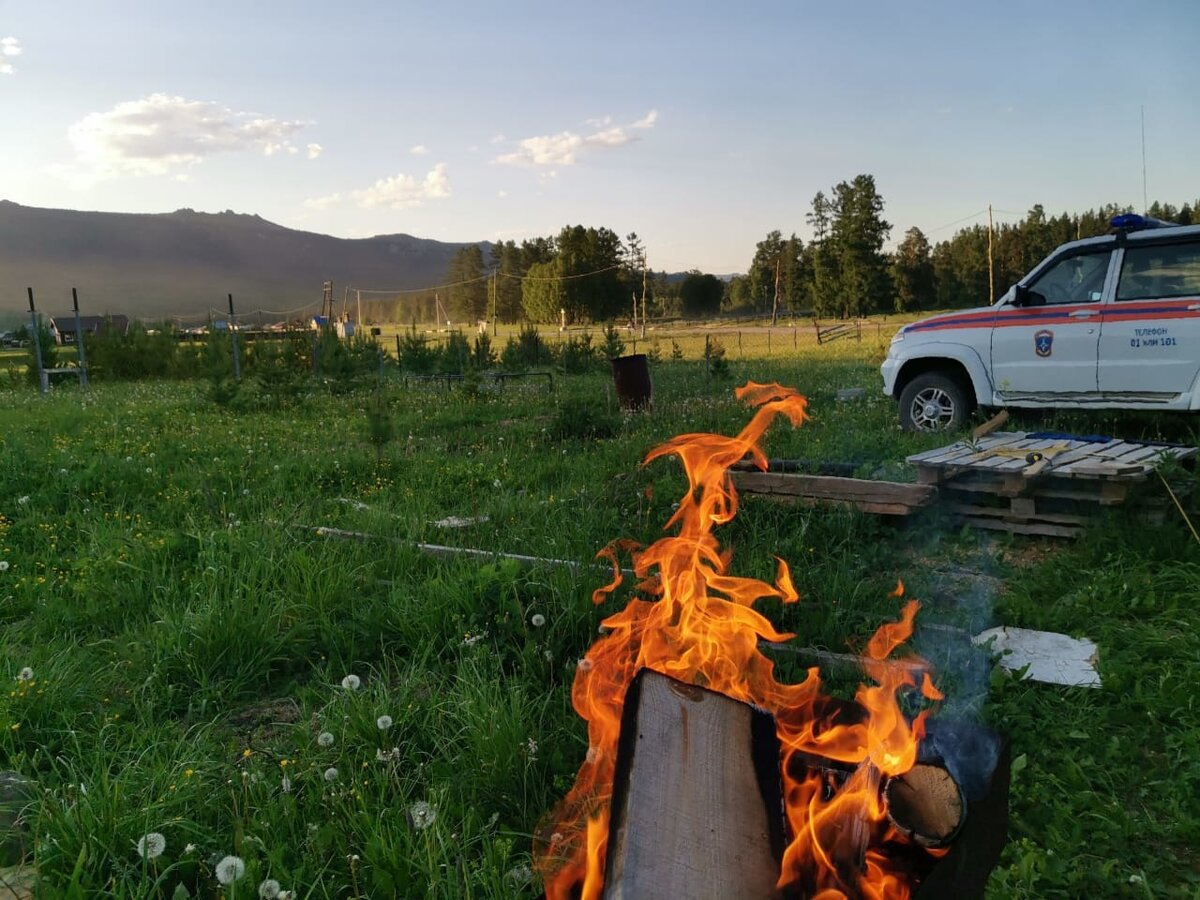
x=1160, y=272
x=1076, y=279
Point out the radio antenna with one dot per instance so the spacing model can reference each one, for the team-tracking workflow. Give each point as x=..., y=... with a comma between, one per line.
x=1145, y=200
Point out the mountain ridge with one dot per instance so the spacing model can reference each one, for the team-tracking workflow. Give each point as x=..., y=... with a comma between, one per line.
x=184, y=263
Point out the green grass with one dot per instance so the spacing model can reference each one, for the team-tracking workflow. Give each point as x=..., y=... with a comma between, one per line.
x=189, y=633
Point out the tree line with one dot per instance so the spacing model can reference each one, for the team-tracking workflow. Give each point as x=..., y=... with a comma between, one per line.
x=843, y=271
x=586, y=275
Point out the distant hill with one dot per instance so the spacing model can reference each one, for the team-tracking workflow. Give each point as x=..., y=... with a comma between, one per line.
x=185, y=263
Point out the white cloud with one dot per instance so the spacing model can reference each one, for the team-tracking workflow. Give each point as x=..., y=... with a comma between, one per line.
x=402, y=191
x=314, y=150
x=396, y=192
x=419, y=150
x=497, y=139
x=9, y=47
x=323, y=202
x=159, y=133
x=647, y=121
x=565, y=148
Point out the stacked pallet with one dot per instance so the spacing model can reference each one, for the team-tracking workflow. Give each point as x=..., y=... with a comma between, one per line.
x=1038, y=484
x=1009, y=481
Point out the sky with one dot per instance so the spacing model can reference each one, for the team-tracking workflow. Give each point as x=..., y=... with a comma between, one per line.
x=701, y=126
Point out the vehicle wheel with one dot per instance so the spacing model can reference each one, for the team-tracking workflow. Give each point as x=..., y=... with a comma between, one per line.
x=932, y=402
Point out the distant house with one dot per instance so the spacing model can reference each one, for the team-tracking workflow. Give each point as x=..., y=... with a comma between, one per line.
x=63, y=327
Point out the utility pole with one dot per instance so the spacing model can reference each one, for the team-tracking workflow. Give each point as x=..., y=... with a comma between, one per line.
x=643, y=293
x=237, y=362
x=775, y=300
x=991, y=271
x=358, y=318
x=1145, y=198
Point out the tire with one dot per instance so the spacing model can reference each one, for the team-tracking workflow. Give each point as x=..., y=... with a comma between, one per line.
x=933, y=402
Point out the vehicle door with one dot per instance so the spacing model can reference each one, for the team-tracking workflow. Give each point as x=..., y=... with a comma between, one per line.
x=1150, y=332
x=1048, y=345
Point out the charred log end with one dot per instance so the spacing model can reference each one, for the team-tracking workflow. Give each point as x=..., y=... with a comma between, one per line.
x=926, y=804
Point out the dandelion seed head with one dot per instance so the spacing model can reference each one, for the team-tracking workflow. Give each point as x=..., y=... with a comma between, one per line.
x=331, y=774
x=383, y=723
x=325, y=739
x=269, y=889
x=537, y=620
x=230, y=869
x=3, y=565
x=422, y=815
x=21, y=501
x=26, y=674
x=151, y=846
x=519, y=874
x=351, y=682
x=285, y=784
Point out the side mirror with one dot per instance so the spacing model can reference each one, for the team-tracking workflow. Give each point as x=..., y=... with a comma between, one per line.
x=1020, y=295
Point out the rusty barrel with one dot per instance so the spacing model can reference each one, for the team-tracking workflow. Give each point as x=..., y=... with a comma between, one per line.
x=631, y=375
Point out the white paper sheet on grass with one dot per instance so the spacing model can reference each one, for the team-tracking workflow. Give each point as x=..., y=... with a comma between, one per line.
x=1051, y=657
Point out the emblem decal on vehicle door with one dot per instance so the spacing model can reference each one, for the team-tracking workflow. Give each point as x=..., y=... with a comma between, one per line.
x=1043, y=342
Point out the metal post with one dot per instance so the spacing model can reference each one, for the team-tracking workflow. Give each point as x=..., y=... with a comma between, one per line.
x=43, y=378
x=83, y=375
x=237, y=363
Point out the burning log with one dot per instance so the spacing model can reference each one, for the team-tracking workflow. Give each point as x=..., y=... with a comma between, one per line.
x=697, y=809
x=926, y=804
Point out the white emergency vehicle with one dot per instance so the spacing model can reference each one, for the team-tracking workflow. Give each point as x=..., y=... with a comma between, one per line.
x=1106, y=322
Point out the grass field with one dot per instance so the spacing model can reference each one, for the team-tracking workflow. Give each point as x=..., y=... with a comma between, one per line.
x=178, y=643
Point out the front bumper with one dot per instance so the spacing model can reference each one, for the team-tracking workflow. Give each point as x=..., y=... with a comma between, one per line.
x=889, y=370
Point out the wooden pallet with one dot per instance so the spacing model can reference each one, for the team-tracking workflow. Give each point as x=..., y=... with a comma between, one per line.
x=1042, y=486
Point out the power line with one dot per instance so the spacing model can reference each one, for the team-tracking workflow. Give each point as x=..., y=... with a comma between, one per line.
x=439, y=287
x=561, y=277
x=421, y=290
x=974, y=215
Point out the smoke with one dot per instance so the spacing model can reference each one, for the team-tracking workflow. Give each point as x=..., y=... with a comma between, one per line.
x=957, y=603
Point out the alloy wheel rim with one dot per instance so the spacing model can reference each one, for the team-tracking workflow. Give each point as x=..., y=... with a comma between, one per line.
x=932, y=409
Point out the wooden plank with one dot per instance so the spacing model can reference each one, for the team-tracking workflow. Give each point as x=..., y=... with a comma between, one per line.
x=1030, y=528
x=879, y=509
x=1009, y=515
x=1088, y=469
x=1088, y=491
x=1083, y=451
x=831, y=487
x=945, y=455
x=990, y=425
x=689, y=815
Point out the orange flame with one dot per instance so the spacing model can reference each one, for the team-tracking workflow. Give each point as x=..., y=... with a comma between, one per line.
x=695, y=623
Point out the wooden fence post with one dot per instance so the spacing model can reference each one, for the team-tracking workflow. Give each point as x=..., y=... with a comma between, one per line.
x=83, y=376
x=237, y=363
x=43, y=378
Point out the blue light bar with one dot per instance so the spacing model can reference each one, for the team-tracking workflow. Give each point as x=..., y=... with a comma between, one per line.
x=1135, y=222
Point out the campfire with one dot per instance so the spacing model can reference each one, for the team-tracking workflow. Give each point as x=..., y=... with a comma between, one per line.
x=705, y=775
